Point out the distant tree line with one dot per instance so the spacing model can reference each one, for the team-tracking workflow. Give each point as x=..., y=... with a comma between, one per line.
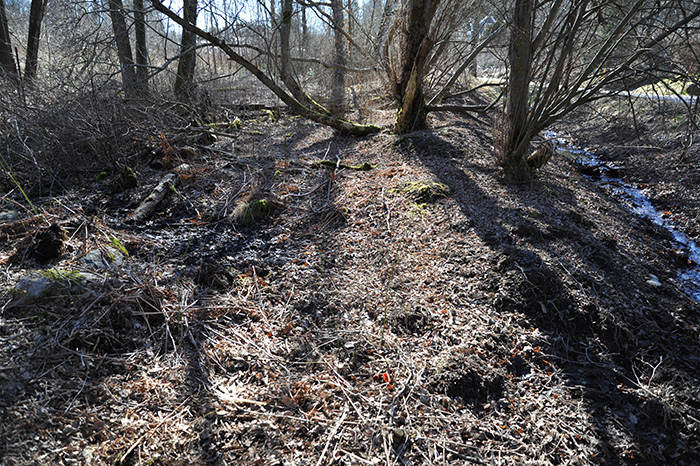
x=548, y=57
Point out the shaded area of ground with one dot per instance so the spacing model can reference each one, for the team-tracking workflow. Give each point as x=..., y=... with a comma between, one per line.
x=498, y=325
x=655, y=145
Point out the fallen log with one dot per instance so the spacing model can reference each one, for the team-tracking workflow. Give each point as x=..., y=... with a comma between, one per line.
x=149, y=205
x=337, y=164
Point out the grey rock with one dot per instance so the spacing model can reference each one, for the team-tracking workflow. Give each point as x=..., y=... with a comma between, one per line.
x=47, y=284
x=9, y=216
x=654, y=281
x=108, y=259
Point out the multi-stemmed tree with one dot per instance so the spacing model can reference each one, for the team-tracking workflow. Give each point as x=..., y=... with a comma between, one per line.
x=564, y=54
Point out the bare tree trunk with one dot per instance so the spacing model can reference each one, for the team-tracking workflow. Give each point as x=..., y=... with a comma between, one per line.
x=121, y=37
x=36, y=16
x=184, y=81
x=286, y=72
x=416, y=46
x=304, y=28
x=384, y=27
x=516, y=130
x=141, y=46
x=338, y=80
x=475, y=38
x=7, y=61
x=351, y=29
x=285, y=33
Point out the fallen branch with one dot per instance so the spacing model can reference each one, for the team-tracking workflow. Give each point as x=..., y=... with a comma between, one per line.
x=337, y=165
x=148, y=206
x=332, y=435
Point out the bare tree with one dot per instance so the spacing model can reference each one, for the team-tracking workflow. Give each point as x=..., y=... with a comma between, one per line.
x=429, y=53
x=121, y=37
x=184, y=80
x=7, y=61
x=341, y=60
x=382, y=40
x=304, y=26
x=565, y=54
x=36, y=16
x=339, y=124
x=417, y=44
x=141, y=44
x=515, y=126
x=286, y=72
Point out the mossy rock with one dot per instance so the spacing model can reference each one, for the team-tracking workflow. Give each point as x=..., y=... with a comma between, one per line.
x=49, y=284
x=425, y=191
x=247, y=213
x=127, y=179
x=108, y=258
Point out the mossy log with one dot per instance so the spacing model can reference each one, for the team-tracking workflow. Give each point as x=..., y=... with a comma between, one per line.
x=149, y=205
x=331, y=164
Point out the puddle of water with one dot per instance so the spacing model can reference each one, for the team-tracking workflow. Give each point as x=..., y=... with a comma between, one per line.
x=607, y=176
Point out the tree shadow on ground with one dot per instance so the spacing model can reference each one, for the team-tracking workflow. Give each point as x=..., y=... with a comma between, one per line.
x=221, y=343
x=569, y=276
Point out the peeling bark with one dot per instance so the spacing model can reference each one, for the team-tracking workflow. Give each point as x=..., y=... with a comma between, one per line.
x=416, y=46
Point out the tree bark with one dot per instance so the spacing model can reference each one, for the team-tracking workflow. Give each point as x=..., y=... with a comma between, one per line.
x=416, y=47
x=383, y=33
x=7, y=61
x=304, y=28
x=121, y=37
x=184, y=81
x=338, y=80
x=517, y=131
x=141, y=46
x=36, y=16
x=286, y=72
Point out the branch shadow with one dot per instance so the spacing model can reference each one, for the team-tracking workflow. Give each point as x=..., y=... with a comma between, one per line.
x=581, y=286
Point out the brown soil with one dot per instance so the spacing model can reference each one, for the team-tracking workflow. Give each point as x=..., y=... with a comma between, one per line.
x=502, y=324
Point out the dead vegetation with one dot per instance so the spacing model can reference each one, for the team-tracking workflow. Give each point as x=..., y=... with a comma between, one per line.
x=355, y=324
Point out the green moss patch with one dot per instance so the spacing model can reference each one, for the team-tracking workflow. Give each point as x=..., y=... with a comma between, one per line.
x=331, y=164
x=48, y=285
x=425, y=191
x=247, y=213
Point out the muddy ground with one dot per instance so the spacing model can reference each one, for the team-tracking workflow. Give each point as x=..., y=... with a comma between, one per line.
x=359, y=322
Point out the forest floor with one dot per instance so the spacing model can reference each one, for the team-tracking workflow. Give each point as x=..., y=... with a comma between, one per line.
x=361, y=322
